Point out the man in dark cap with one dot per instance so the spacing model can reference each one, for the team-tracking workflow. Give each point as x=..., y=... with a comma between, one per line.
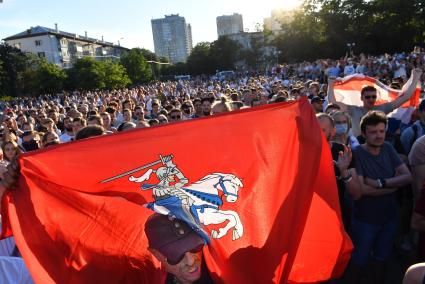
x=179, y=249
x=317, y=104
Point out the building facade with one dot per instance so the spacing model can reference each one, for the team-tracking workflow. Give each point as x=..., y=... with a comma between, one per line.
x=277, y=18
x=63, y=48
x=229, y=24
x=172, y=38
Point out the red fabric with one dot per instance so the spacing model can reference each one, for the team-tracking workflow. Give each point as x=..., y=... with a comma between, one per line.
x=70, y=228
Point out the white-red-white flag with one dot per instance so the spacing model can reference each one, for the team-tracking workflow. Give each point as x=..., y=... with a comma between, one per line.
x=347, y=90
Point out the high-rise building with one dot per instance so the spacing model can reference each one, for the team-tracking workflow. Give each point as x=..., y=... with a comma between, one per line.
x=229, y=24
x=172, y=38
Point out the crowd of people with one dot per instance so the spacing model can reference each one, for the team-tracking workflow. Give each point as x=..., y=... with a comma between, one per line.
x=379, y=172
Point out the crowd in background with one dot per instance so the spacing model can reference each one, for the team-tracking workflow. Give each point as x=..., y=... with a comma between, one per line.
x=30, y=123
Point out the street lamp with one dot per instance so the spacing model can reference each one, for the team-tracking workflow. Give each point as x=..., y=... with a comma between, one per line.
x=119, y=41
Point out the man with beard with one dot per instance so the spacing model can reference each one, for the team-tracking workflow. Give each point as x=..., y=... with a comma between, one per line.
x=179, y=249
x=206, y=106
x=374, y=222
x=68, y=135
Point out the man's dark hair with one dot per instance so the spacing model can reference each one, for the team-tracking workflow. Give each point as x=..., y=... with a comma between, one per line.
x=126, y=125
x=110, y=110
x=211, y=100
x=373, y=117
x=163, y=112
x=367, y=89
x=97, y=118
x=89, y=131
x=92, y=113
x=82, y=121
x=30, y=132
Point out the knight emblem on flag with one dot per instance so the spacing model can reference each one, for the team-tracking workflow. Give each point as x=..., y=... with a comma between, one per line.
x=198, y=203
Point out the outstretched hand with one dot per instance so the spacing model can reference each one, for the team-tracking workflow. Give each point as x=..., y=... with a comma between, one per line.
x=344, y=159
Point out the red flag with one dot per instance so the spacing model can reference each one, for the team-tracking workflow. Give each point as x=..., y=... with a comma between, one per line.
x=347, y=90
x=261, y=181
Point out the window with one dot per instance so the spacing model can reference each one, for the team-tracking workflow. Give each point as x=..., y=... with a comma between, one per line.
x=38, y=42
x=41, y=54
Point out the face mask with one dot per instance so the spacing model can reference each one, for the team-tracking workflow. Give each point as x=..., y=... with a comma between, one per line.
x=30, y=145
x=341, y=128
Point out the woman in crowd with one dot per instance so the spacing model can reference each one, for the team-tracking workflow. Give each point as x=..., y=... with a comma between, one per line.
x=10, y=150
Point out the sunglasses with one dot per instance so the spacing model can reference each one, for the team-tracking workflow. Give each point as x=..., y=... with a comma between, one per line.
x=370, y=97
x=180, y=258
x=176, y=117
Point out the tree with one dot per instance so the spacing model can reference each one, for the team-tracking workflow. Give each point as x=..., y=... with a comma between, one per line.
x=48, y=78
x=253, y=56
x=14, y=62
x=200, y=60
x=224, y=52
x=86, y=74
x=2, y=80
x=137, y=68
x=115, y=75
x=322, y=28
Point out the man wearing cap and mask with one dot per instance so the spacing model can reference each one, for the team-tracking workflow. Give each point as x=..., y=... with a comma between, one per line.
x=178, y=248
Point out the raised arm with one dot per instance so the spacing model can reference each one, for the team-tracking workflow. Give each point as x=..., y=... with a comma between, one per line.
x=408, y=89
x=331, y=94
x=349, y=175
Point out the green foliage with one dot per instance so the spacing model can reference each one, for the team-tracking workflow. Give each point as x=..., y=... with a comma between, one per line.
x=14, y=62
x=225, y=53
x=138, y=69
x=206, y=58
x=322, y=28
x=200, y=60
x=86, y=74
x=115, y=75
x=89, y=74
x=48, y=78
x=2, y=79
x=253, y=56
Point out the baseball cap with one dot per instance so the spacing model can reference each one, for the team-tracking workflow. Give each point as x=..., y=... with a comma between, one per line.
x=316, y=99
x=170, y=236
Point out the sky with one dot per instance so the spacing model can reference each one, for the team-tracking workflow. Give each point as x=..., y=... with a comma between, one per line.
x=129, y=21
